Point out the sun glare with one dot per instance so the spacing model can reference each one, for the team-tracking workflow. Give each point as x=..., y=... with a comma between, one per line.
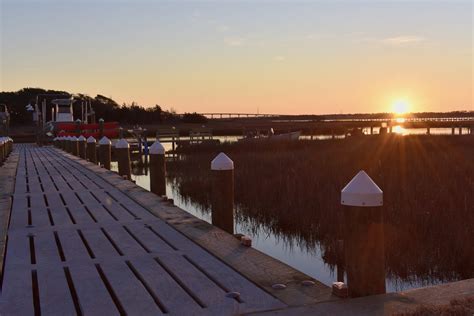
x=400, y=107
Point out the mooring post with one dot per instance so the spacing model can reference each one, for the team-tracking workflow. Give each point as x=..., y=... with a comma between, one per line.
x=105, y=152
x=65, y=142
x=74, y=146
x=157, y=169
x=2, y=150
x=364, y=236
x=10, y=145
x=68, y=144
x=81, y=141
x=60, y=142
x=101, y=128
x=222, y=169
x=91, y=149
x=122, y=151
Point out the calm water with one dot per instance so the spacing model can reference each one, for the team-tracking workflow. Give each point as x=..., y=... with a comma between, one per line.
x=285, y=248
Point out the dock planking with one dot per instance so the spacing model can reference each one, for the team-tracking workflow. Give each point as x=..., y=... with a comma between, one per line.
x=78, y=245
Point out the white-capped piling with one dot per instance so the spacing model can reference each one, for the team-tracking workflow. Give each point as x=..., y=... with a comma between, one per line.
x=81, y=141
x=2, y=150
x=101, y=128
x=10, y=145
x=222, y=169
x=364, y=236
x=105, y=152
x=157, y=169
x=122, y=152
x=61, y=142
x=68, y=144
x=74, y=146
x=91, y=149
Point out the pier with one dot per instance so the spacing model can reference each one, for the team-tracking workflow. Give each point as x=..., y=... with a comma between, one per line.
x=82, y=240
x=77, y=244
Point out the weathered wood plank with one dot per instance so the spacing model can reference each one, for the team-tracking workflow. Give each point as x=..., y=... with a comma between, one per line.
x=17, y=291
x=91, y=291
x=131, y=293
x=171, y=294
x=55, y=296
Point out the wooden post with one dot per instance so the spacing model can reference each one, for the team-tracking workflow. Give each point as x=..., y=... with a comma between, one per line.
x=78, y=127
x=157, y=169
x=371, y=130
x=105, y=152
x=122, y=150
x=82, y=146
x=460, y=130
x=68, y=144
x=10, y=145
x=101, y=129
x=2, y=150
x=428, y=131
x=74, y=146
x=91, y=149
x=63, y=143
x=222, y=169
x=364, y=236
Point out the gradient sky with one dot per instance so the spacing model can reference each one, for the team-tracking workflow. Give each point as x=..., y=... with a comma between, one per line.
x=245, y=56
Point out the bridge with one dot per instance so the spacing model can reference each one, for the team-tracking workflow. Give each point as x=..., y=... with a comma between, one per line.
x=237, y=115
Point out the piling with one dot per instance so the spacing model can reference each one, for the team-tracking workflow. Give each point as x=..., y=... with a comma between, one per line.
x=10, y=145
x=157, y=169
x=2, y=150
x=222, y=169
x=105, y=152
x=364, y=236
x=101, y=128
x=64, y=143
x=81, y=141
x=68, y=144
x=91, y=149
x=122, y=150
x=74, y=146
x=61, y=142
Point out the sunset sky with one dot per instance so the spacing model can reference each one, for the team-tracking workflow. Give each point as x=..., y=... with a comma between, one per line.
x=245, y=56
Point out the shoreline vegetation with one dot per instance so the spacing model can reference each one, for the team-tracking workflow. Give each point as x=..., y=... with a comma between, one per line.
x=292, y=189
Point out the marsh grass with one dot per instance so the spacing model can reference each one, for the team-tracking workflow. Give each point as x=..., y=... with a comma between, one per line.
x=292, y=189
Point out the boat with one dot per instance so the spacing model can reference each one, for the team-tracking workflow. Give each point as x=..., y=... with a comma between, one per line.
x=286, y=136
x=290, y=136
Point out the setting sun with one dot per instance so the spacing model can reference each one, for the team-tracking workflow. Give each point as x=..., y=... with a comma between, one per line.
x=400, y=106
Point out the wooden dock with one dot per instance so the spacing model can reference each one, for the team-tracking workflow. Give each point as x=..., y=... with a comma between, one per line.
x=77, y=239
x=77, y=243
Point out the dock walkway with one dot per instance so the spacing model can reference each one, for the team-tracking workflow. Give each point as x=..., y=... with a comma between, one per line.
x=78, y=245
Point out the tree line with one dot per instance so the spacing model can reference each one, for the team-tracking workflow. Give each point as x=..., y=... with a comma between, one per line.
x=104, y=107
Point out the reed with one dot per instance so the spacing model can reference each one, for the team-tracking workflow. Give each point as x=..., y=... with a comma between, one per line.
x=292, y=189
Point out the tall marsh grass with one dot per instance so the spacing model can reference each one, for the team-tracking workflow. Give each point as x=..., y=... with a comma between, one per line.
x=293, y=190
